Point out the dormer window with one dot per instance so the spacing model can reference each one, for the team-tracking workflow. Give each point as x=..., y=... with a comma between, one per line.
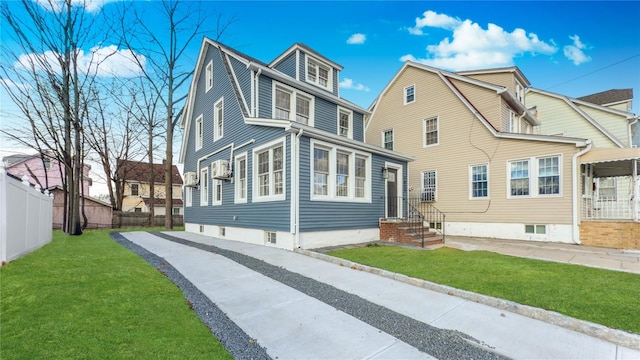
x=319, y=74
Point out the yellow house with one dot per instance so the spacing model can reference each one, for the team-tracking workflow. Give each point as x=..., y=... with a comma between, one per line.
x=137, y=177
x=478, y=159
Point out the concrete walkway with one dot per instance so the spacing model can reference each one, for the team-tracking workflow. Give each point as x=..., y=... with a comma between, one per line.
x=605, y=258
x=291, y=324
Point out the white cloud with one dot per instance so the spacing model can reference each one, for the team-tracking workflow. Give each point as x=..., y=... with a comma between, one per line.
x=8, y=83
x=102, y=61
x=473, y=47
x=433, y=19
x=574, y=52
x=349, y=84
x=357, y=39
x=92, y=6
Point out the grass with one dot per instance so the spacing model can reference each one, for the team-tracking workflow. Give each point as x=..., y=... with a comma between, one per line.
x=604, y=297
x=89, y=297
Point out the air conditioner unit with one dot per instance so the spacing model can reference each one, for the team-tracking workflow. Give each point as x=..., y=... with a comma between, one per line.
x=190, y=179
x=220, y=169
x=428, y=195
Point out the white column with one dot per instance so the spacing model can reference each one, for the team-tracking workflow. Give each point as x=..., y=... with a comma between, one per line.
x=636, y=190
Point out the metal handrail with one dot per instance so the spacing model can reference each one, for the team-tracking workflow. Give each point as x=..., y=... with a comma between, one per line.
x=418, y=213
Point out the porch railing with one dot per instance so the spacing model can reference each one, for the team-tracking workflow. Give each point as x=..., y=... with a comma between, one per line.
x=607, y=209
x=419, y=213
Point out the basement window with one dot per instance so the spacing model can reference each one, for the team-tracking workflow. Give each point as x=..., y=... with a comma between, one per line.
x=535, y=229
x=270, y=237
x=201, y=228
x=222, y=231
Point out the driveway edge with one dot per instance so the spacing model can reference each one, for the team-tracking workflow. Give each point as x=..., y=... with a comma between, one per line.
x=602, y=332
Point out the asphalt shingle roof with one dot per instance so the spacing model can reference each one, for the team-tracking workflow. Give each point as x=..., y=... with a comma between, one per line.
x=609, y=96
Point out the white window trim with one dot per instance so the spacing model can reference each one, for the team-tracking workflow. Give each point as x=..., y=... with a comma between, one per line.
x=330, y=75
x=471, y=197
x=435, y=172
x=331, y=181
x=255, y=184
x=220, y=103
x=534, y=174
x=404, y=94
x=294, y=97
x=392, y=138
x=350, y=113
x=214, y=192
x=424, y=131
x=188, y=196
x=209, y=76
x=236, y=173
x=199, y=134
x=204, y=190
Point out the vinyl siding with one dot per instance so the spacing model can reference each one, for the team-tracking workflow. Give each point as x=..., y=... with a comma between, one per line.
x=505, y=79
x=486, y=101
x=617, y=125
x=333, y=215
x=267, y=215
x=465, y=141
x=244, y=80
x=558, y=118
x=288, y=65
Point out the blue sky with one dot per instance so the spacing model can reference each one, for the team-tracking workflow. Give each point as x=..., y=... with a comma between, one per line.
x=574, y=48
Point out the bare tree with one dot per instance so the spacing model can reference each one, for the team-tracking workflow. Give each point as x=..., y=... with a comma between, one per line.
x=164, y=51
x=47, y=81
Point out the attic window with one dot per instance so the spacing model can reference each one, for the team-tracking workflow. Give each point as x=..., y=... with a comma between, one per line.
x=209, y=74
x=319, y=74
x=134, y=189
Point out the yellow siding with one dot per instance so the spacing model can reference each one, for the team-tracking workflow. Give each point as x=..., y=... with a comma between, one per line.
x=558, y=118
x=465, y=141
x=505, y=79
x=486, y=101
x=617, y=125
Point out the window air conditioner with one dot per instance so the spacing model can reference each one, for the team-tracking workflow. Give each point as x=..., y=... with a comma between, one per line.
x=190, y=179
x=428, y=195
x=220, y=169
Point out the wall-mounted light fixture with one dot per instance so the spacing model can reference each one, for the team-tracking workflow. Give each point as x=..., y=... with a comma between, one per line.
x=385, y=173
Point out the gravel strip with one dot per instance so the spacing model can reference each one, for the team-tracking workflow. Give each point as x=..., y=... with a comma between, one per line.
x=232, y=337
x=440, y=343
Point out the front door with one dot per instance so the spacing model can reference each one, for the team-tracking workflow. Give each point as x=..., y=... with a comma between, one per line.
x=392, y=193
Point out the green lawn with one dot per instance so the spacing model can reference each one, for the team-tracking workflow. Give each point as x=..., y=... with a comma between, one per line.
x=89, y=297
x=605, y=297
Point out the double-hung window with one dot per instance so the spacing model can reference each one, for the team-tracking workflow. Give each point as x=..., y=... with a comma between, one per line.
x=345, y=123
x=199, y=132
x=209, y=76
x=519, y=178
x=387, y=139
x=204, y=186
x=339, y=174
x=319, y=74
x=549, y=176
x=269, y=167
x=290, y=104
x=135, y=189
x=479, y=176
x=240, y=172
x=218, y=120
x=217, y=192
x=607, y=189
x=409, y=94
x=539, y=176
x=430, y=131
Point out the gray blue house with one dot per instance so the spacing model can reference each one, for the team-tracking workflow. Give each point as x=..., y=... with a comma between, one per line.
x=273, y=155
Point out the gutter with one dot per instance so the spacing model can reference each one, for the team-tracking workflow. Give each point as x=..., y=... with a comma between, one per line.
x=575, y=230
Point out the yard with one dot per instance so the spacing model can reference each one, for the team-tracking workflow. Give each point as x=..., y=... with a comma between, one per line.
x=605, y=297
x=88, y=297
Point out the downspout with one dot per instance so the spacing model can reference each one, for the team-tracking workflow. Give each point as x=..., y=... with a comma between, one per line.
x=296, y=189
x=575, y=230
x=636, y=191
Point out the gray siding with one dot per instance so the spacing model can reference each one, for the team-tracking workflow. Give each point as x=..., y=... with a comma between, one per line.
x=265, y=98
x=288, y=65
x=244, y=80
x=358, y=126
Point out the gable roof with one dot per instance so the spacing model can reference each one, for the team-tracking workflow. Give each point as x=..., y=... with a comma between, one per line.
x=307, y=49
x=609, y=97
x=446, y=77
x=573, y=103
x=511, y=69
x=141, y=172
x=260, y=68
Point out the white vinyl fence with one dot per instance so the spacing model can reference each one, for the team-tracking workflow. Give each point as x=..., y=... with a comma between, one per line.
x=25, y=217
